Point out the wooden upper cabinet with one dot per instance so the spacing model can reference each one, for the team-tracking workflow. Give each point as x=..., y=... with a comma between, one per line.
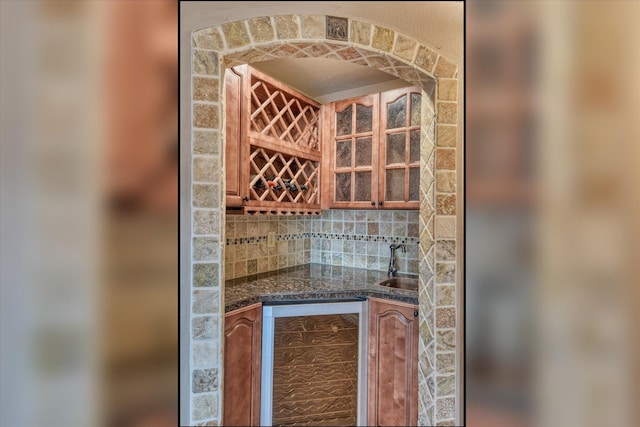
x=399, y=172
x=351, y=156
x=242, y=359
x=286, y=154
x=393, y=364
x=236, y=188
x=371, y=155
x=272, y=146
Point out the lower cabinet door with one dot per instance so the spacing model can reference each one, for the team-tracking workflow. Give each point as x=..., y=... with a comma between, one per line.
x=242, y=357
x=393, y=364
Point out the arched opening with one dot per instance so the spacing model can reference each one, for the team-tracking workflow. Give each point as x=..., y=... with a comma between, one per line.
x=229, y=45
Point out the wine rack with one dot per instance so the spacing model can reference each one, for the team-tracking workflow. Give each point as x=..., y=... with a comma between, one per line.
x=282, y=117
x=282, y=181
x=277, y=136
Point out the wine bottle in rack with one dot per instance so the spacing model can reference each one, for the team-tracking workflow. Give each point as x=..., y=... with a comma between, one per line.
x=289, y=185
x=273, y=184
x=258, y=184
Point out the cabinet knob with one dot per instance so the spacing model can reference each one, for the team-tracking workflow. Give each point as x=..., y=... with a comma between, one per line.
x=415, y=313
x=380, y=203
x=245, y=198
x=373, y=203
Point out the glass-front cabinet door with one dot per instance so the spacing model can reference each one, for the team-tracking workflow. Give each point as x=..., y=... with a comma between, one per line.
x=353, y=153
x=373, y=152
x=399, y=172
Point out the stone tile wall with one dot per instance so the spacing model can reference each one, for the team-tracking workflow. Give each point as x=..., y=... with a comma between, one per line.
x=351, y=238
x=445, y=247
x=247, y=250
x=361, y=238
x=264, y=38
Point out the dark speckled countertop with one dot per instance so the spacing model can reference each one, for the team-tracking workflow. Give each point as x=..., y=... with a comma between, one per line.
x=311, y=283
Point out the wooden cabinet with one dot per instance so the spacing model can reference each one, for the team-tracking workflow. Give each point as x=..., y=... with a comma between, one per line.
x=236, y=187
x=351, y=154
x=272, y=146
x=393, y=364
x=242, y=357
x=370, y=148
x=371, y=155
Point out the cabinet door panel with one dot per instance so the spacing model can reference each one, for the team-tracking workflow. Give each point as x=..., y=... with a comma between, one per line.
x=343, y=154
x=242, y=357
x=343, y=187
x=343, y=121
x=399, y=165
x=393, y=367
x=396, y=144
x=414, y=184
x=397, y=113
x=364, y=118
x=352, y=160
x=233, y=144
x=374, y=139
x=364, y=151
x=362, y=186
x=414, y=150
x=394, y=189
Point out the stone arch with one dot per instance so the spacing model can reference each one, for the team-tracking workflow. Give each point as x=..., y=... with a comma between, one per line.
x=315, y=36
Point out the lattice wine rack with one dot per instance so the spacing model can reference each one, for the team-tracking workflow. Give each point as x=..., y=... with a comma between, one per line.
x=277, y=114
x=282, y=129
x=282, y=184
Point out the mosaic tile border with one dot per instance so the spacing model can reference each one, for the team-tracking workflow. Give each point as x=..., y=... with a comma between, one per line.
x=328, y=236
x=260, y=239
x=362, y=238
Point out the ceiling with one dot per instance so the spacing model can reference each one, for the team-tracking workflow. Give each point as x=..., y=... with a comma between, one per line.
x=328, y=80
x=438, y=24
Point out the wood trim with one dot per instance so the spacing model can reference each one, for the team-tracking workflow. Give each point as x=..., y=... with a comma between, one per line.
x=367, y=100
x=375, y=154
x=242, y=310
x=246, y=125
x=261, y=210
x=394, y=302
x=279, y=205
x=326, y=165
x=273, y=144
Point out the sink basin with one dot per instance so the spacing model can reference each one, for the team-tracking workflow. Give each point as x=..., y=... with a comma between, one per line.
x=408, y=283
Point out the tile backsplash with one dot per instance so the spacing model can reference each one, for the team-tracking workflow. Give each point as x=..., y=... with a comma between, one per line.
x=351, y=238
x=361, y=239
x=247, y=251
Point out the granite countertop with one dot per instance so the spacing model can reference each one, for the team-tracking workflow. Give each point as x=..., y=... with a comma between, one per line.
x=312, y=283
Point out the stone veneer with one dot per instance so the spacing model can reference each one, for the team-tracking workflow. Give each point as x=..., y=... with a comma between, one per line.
x=349, y=238
x=247, y=250
x=265, y=38
x=361, y=238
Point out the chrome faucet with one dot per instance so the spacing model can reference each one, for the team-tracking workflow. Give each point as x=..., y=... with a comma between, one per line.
x=392, y=261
